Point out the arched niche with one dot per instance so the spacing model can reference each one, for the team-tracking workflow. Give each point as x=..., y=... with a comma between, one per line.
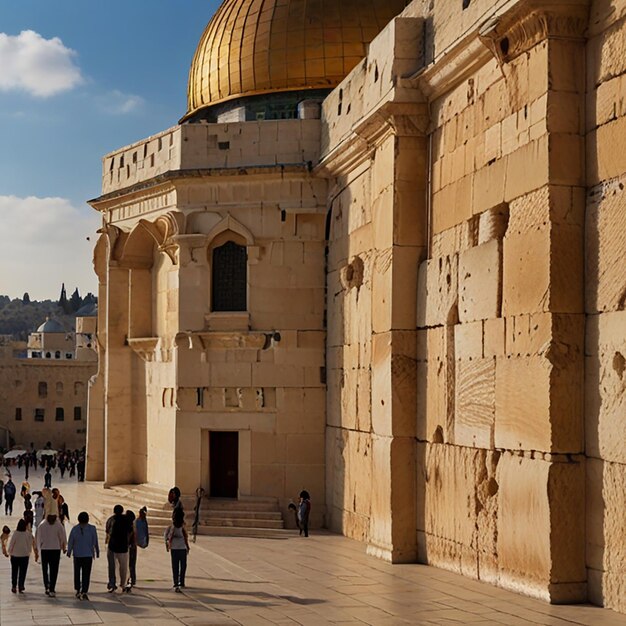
x=227, y=253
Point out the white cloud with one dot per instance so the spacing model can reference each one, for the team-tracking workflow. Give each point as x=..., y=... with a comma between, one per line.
x=43, y=242
x=41, y=67
x=118, y=103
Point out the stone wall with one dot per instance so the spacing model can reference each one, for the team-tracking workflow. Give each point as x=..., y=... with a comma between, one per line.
x=518, y=363
x=605, y=304
x=66, y=388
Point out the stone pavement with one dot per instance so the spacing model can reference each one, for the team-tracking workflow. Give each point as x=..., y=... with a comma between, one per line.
x=325, y=579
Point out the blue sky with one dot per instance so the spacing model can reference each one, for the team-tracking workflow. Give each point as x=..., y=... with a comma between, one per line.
x=78, y=79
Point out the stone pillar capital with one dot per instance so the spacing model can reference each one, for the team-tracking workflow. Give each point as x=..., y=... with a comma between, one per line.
x=515, y=32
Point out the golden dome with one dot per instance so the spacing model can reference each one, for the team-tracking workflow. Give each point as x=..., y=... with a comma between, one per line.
x=262, y=46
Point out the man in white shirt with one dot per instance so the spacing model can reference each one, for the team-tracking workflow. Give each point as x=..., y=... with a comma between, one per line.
x=51, y=540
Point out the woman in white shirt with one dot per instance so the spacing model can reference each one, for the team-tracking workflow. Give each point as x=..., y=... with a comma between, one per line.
x=20, y=546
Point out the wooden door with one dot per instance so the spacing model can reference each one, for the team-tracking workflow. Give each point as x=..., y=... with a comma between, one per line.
x=224, y=464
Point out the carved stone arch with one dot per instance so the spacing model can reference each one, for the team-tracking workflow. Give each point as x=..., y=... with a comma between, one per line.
x=229, y=223
x=101, y=256
x=138, y=251
x=172, y=224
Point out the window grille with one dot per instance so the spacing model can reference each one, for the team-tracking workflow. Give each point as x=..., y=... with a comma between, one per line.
x=229, y=278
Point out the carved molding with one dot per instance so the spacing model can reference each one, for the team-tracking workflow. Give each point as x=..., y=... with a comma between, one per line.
x=513, y=33
x=150, y=349
x=224, y=340
x=460, y=62
x=402, y=119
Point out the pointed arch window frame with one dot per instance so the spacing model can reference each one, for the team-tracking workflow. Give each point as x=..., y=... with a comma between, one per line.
x=228, y=230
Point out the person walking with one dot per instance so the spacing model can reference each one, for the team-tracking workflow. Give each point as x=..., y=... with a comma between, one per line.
x=38, y=507
x=4, y=539
x=47, y=478
x=21, y=544
x=304, y=511
x=177, y=544
x=1, y=489
x=118, y=536
x=9, y=496
x=83, y=544
x=132, y=552
x=51, y=540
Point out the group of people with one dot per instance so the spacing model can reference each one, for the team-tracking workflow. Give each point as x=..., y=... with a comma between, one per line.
x=70, y=461
x=125, y=533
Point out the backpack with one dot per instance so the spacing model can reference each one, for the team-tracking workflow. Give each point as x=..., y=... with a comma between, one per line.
x=142, y=535
x=9, y=490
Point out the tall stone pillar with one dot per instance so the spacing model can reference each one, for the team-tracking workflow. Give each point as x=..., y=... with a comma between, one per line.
x=539, y=379
x=118, y=379
x=399, y=182
x=96, y=434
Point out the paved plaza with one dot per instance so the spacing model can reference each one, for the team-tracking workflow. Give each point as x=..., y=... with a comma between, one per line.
x=325, y=579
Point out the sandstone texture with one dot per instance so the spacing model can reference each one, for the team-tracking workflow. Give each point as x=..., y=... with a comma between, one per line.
x=432, y=338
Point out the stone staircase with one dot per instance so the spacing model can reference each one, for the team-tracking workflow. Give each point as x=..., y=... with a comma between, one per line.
x=246, y=517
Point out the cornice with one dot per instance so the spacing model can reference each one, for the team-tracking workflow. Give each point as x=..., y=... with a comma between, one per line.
x=451, y=68
x=514, y=28
x=168, y=180
x=532, y=21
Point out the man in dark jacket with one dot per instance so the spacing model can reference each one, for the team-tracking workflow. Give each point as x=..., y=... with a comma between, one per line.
x=9, y=496
x=118, y=537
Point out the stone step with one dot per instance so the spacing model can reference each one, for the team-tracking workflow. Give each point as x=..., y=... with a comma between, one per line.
x=224, y=514
x=234, y=522
x=257, y=505
x=226, y=531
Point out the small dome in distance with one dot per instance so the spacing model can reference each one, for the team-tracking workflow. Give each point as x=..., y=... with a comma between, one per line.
x=51, y=326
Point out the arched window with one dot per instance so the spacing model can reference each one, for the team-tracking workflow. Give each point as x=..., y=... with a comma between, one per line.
x=229, y=277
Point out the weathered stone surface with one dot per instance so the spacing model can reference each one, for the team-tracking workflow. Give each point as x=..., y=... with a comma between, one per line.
x=605, y=384
x=606, y=520
x=480, y=282
x=540, y=530
x=539, y=402
x=435, y=385
x=605, y=246
x=475, y=406
x=461, y=482
x=437, y=295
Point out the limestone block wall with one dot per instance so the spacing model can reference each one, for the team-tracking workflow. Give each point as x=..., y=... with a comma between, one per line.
x=605, y=304
x=374, y=154
x=500, y=346
x=208, y=146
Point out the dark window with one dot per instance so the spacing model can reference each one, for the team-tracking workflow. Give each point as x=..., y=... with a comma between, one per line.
x=78, y=413
x=59, y=414
x=39, y=415
x=57, y=354
x=229, y=277
x=18, y=414
x=43, y=390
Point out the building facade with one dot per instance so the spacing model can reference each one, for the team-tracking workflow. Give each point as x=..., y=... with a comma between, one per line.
x=44, y=385
x=380, y=261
